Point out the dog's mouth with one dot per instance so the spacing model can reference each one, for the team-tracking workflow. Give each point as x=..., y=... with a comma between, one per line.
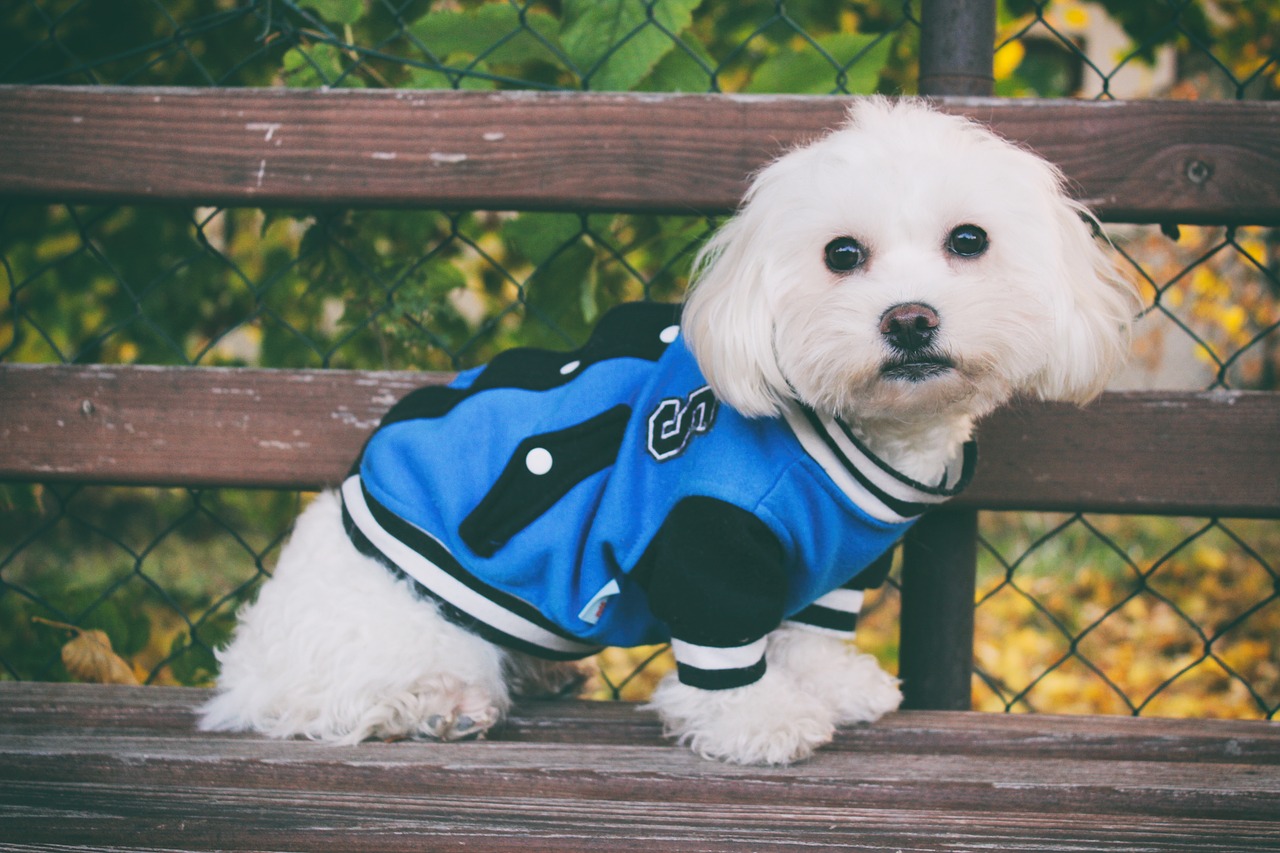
x=917, y=367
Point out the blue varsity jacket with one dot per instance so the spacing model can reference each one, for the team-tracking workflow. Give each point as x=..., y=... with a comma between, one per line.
x=562, y=502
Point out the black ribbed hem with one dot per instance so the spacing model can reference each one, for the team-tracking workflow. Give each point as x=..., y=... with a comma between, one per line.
x=826, y=617
x=720, y=679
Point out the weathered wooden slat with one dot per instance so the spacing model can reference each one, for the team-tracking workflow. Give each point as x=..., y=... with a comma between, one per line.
x=194, y=817
x=184, y=426
x=1132, y=161
x=68, y=778
x=1208, y=453
x=48, y=709
x=1198, y=453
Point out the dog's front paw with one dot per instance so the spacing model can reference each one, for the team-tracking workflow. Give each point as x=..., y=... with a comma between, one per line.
x=459, y=711
x=851, y=682
x=769, y=722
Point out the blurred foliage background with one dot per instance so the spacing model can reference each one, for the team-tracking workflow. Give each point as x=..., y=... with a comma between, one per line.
x=1075, y=613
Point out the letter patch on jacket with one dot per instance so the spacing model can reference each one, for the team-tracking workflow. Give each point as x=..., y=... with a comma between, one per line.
x=675, y=423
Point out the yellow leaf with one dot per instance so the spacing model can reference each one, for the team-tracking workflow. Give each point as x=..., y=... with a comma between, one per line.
x=1233, y=319
x=88, y=656
x=128, y=352
x=1253, y=247
x=1008, y=58
x=1210, y=558
x=1076, y=17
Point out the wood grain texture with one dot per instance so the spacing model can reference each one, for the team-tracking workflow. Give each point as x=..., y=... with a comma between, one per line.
x=191, y=426
x=1199, y=453
x=37, y=708
x=83, y=765
x=1131, y=161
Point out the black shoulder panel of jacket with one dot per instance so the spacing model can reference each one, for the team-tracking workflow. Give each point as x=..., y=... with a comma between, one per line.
x=633, y=330
x=714, y=574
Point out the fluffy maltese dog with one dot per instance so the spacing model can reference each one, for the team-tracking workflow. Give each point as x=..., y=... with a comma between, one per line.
x=727, y=475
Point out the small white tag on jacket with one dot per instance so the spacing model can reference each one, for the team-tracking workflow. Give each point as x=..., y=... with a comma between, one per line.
x=595, y=607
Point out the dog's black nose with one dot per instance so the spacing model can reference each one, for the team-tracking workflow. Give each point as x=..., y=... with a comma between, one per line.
x=909, y=327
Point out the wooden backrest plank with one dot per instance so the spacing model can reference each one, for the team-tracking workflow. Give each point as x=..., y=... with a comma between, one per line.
x=143, y=425
x=1198, y=453
x=1193, y=453
x=1133, y=162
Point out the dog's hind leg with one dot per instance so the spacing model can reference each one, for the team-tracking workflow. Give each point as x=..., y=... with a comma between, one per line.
x=338, y=649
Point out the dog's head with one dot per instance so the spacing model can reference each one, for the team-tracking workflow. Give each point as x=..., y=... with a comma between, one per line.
x=908, y=265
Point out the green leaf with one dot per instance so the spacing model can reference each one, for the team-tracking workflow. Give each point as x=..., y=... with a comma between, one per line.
x=589, y=295
x=536, y=236
x=191, y=663
x=497, y=33
x=317, y=65
x=429, y=78
x=554, y=292
x=20, y=497
x=430, y=283
x=680, y=71
x=808, y=72
x=615, y=45
x=338, y=11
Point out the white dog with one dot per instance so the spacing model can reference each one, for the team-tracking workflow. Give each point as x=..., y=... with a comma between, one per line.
x=720, y=475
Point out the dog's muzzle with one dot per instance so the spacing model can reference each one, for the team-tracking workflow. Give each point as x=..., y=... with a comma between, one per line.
x=911, y=329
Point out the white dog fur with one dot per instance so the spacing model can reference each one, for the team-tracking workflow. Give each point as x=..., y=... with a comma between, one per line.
x=336, y=648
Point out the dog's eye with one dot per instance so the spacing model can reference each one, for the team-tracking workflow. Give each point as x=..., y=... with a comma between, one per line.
x=844, y=254
x=967, y=241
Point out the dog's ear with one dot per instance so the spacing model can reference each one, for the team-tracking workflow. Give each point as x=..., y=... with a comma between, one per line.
x=727, y=320
x=1093, y=309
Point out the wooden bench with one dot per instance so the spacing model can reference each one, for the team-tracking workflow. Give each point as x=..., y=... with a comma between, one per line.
x=120, y=768
x=106, y=767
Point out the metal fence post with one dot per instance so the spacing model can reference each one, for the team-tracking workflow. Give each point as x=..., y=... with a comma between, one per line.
x=939, y=562
x=957, y=41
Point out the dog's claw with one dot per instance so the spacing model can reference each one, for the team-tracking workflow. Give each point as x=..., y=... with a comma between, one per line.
x=461, y=727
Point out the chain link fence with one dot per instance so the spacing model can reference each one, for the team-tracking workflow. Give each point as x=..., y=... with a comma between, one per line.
x=1075, y=613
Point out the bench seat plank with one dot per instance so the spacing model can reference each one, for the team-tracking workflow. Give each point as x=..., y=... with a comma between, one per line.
x=86, y=765
x=1209, y=453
